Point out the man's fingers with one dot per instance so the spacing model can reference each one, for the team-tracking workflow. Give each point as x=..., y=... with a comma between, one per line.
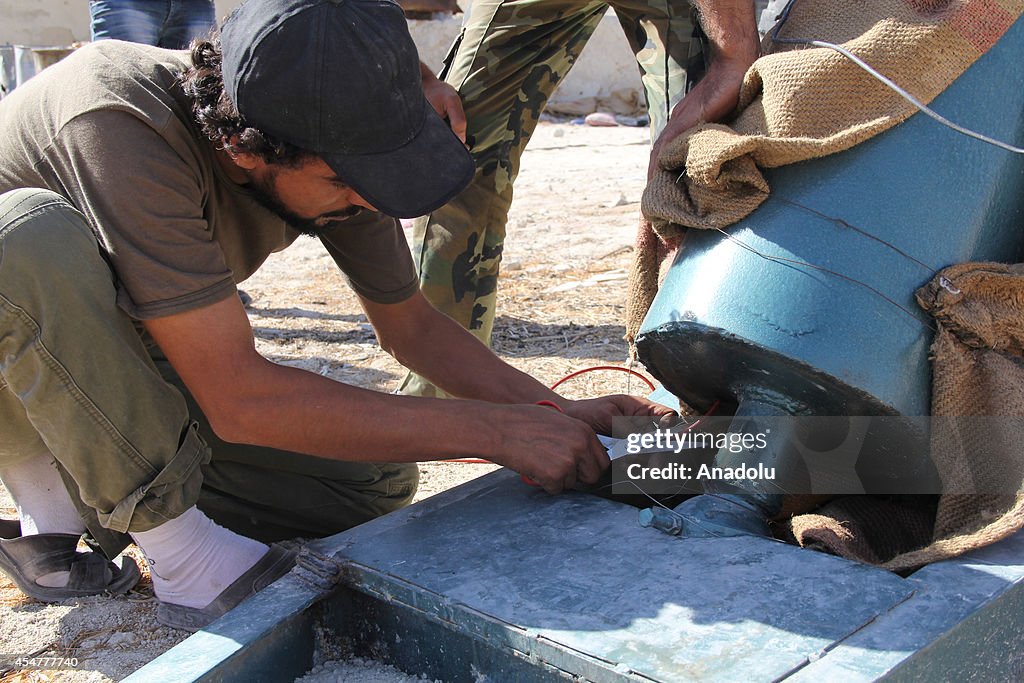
x=652, y=164
x=590, y=471
x=446, y=102
x=638, y=406
x=553, y=487
x=556, y=450
x=585, y=463
x=593, y=462
x=457, y=119
x=570, y=480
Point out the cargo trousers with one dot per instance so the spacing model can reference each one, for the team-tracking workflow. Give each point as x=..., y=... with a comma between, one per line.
x=505, y=64
x=133, y=447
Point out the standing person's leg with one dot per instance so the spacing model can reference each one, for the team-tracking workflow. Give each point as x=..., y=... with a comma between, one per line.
x=666, y=41
x=137, y=22
x=188, y=19
x=509, y=59
x=662, y=35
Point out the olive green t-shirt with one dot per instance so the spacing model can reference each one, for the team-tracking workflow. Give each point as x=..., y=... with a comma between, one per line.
x=110, y=129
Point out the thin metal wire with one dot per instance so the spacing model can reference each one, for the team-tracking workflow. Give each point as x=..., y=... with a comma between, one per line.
x=686, y=518
x=796, y=262
x=887, y=82
x=692, y=520
x=658, y=503
x=845, y=224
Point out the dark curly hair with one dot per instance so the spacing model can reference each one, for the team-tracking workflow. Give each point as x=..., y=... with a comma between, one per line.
x=219, y=119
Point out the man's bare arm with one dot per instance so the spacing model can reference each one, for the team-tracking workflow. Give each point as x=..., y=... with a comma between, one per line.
x=473, y=371
x=249, y=399
x=433, y=345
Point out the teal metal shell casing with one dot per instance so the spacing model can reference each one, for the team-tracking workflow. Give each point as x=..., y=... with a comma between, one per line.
x=730, y=322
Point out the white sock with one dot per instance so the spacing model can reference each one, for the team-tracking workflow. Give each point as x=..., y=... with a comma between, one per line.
x=192, y=559
x=44, y=504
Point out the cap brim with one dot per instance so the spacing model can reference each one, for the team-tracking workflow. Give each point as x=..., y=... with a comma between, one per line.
x=413, y=180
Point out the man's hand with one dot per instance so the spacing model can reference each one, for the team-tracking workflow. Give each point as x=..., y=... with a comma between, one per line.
x=732, y=31
x=552, y=449
x=599, y=412
x=445, y=101
x=558, y=450
x=713, y=99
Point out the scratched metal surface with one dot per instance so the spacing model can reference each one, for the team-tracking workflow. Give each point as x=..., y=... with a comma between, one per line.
x=501, y=583
x=577, y=580
x=965, y=622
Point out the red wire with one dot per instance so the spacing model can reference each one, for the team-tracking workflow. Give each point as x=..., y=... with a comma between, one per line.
x=559, y=383
x=711, y=411
x=650, y=384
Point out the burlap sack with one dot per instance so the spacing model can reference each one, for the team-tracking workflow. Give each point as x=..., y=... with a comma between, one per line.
x=978, y=363
x=803, y=103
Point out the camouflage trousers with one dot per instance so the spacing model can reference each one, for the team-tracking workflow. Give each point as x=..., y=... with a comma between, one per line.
x=506, y=63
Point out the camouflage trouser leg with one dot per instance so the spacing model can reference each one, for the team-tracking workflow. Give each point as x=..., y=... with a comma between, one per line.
x=506, y=63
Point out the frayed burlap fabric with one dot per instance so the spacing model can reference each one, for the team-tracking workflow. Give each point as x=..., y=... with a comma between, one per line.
x=800, y=103
x=978, y=384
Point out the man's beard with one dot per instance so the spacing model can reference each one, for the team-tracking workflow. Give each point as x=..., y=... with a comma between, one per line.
x=265, y=194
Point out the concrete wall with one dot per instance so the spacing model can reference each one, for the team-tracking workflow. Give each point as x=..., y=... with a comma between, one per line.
x=56, y=22
x=43, y=22
x=606, y=65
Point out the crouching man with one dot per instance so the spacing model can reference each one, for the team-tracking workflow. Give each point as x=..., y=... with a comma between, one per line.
x=139, y=186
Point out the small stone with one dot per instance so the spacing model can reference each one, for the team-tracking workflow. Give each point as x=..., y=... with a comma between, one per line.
x=621, y=201
x=601, y=119
x=120, y=638
x=610, y=277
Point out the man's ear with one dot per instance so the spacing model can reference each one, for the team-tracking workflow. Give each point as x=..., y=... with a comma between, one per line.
x=244, y=160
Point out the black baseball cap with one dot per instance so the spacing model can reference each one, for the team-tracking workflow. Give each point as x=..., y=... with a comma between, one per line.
x=341, y=79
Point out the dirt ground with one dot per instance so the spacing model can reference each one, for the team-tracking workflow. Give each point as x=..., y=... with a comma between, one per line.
x=561, y=305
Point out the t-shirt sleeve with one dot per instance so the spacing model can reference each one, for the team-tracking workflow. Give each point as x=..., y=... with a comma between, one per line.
x=145, y=199
x=371, y=249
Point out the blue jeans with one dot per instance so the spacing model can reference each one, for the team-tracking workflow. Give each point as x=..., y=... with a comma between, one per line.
x=170, y=24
